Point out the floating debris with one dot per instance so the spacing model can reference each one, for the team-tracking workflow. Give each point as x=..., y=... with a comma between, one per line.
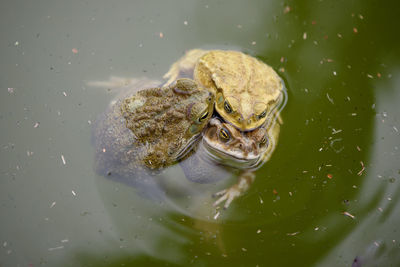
x=185, y=22
x=362, y=169
x=330, y=176
x=73, y=193
x=244, y=249
x=36, y=125
x=10, y=90
x=286, y=9
x=254, y=43
x=216, y=215
x=52, y=204
x=304, y=36
x=161, y=35
x=292, y=234
x=355, y=30
x=329, y=98
x=258, y=231
x=63, y=159
x=261, y=201
x=349, y=215
x=56, y=248
x=74, y=50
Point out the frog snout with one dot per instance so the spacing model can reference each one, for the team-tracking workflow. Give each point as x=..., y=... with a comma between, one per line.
x=246, y=146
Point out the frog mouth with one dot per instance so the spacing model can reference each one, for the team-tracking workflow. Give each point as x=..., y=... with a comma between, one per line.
x=189, y=147
x=237, y=160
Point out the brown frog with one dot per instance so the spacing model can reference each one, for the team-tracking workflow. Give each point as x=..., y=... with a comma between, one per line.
x=225, y=150
x=151, y=128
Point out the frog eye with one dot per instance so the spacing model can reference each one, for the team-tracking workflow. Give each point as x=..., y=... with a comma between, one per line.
x=264, y=141
x=203, y=116
x=262, y=114
x=227, y=107
x=224, y=134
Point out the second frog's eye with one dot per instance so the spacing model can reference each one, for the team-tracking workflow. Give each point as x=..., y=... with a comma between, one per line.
x=227, y=107
x=203, y=116
x=262, y=114
x=264, y=141
x=224, y=134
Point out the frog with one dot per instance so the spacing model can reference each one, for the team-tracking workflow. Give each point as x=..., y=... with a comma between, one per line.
x=247, y=91
x=150, y=129
x=224, y=150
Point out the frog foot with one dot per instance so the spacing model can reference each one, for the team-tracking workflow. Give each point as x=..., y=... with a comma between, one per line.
x=227, y=195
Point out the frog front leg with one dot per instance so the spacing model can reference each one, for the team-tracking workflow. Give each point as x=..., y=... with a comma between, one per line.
x=246, y=178
x=185, y=64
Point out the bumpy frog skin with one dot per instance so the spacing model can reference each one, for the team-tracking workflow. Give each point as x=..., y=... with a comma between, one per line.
x=151, y=128
x=246, y=90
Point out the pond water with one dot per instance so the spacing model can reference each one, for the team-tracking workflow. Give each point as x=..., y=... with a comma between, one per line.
x=329, y=196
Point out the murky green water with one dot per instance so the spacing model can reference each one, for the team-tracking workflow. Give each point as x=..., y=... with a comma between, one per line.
x=329, y=195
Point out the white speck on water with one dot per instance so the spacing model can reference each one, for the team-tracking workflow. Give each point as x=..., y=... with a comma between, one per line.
x=395, y=128
x=64, y=241
x=64, y=93
x=185, y=22
x=73, y=193
x=63, y=159
x=254, y=43
x=334, y=73
x=5, y=244
x=10, y=90
x=216, y=215
x=36, y=125
x=56, y=248
x=370, y=76
x=261, y=200
x=52, y=204
x=258, y=231
x=334, y=131
x=304, y=35
x=16, y=43
x=316, y=228
x=329, y=98
x=349, y=215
